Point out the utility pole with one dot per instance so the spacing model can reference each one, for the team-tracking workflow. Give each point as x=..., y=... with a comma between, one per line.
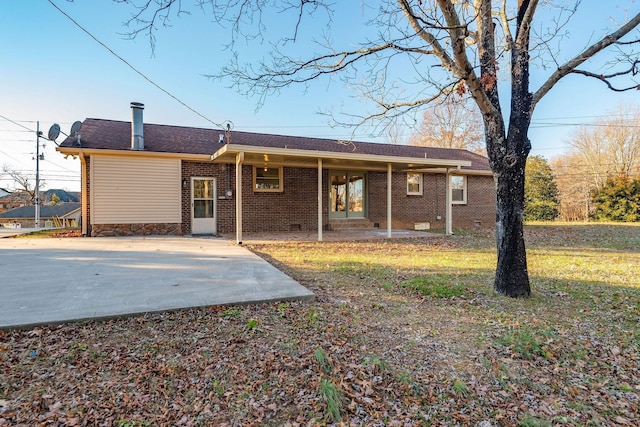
x=54, y=131
x=38, y=174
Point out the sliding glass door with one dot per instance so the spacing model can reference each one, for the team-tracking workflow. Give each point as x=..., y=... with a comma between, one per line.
x=347, y=194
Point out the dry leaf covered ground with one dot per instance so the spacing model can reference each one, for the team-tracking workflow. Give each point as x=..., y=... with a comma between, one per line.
x=401, y=333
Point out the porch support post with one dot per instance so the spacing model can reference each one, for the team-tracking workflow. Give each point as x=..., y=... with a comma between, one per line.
x=319, y=200
x=447, y=189
x=239, y=160
x=389, y=193
x=84, y=219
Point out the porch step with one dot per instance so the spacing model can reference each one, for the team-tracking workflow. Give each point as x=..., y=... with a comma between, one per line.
x=350, y=224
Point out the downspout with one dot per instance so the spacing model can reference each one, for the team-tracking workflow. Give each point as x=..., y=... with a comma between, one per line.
x=447, y=188
x=319, y=200
x=83, y=186
x=239, y=160
x=389, y=181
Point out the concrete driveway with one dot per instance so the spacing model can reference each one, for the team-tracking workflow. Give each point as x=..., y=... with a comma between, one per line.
x=59, y=280
x=8, y=232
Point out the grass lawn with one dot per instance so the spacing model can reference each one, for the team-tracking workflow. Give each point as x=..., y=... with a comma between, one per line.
x=402, y=333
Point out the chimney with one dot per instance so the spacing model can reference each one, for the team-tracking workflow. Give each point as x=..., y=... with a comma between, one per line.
x=137, y=130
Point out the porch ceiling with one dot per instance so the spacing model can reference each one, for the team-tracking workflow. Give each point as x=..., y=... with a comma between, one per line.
x=254, y=155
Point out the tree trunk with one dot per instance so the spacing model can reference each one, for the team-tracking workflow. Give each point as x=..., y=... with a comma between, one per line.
x=508, y=158
x=508, y=162
x=512, y=278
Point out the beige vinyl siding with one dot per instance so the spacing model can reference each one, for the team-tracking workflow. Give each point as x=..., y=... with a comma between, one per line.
x=127, y=190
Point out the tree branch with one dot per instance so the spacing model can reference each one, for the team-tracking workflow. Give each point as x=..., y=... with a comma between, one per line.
x=390, y=110
x=289, y=71
x=160, y=13
x=505, y=24
x=438, y=49
x=633, y=70
x=589, y=52
x=525, y=16
x=490, y=102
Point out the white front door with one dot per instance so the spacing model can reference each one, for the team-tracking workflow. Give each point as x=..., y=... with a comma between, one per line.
x=203, y=205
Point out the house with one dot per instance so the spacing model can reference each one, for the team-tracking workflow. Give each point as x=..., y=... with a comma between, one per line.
x=21, y=198
x=3, y=201
x=61, y=215
x=140, y=178
x=15, y=200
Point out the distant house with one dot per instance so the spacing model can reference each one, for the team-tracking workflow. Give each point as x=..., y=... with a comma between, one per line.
x=14, y=200
x=156, y=179
x=3, y=193
x=21, y=198
x=62, y=215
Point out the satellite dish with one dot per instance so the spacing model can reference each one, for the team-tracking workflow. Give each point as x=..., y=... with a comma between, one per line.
x=75, y=128
x=54, y=131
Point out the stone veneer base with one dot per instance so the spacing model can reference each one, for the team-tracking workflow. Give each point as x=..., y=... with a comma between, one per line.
x=111, y=230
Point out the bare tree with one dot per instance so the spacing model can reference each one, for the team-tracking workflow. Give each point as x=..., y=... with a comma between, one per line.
x=622, y=141
x=611, y=146
x=605, y=149
x=441, y=46
x=22, y=181
x=451, y=123
x=589, y=153
x=574, y=187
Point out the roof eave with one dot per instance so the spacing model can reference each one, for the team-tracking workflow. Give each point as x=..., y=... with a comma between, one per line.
x=76, y=151
x=468, y=171
x=229, y=151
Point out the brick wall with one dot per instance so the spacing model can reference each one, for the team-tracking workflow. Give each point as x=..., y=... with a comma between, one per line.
x=295, y=208
x=479, y=212
x=225, y=178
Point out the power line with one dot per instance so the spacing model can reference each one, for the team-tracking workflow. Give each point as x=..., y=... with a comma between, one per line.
x=140, y=73
x=11, y=157
x=60, y=166
x=16, y=123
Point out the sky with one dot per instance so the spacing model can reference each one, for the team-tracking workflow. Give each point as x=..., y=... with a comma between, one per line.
x=54, y=72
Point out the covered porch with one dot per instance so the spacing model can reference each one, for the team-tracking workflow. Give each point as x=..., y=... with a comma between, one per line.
x=269, y=157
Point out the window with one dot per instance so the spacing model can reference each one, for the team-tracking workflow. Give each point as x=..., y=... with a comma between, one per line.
x=414, y=183
x=267, y=179
x=458, y=189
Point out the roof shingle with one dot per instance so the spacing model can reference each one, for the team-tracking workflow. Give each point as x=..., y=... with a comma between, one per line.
x=45, y=211
x=116, y=135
